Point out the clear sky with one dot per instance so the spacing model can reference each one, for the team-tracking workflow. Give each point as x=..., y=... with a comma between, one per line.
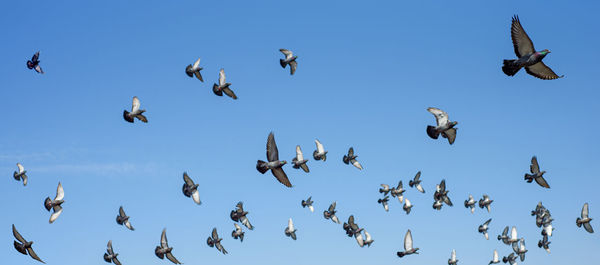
x=367, y=71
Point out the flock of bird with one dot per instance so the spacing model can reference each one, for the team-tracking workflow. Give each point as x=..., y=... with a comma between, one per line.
x=528, y=58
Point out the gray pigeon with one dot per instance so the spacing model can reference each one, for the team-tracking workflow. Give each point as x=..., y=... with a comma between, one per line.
x=398, y=192
x=585, y=219
x=194, y=69
x=290, y=59
x=513, y=239
x=437, y=204
x=55, y=204
x=274, y=164
x=544, y=243
x=416, y=182
x=407, y=206
x=20, y=174
x=308, y=203
x=299, y=161
x=484, y=229
x=34, y=63
x=238, y=233
x=330, y=213
x=408, y=246
x=385, y=189
x=536, y=174
x=215, y=241
x=485, y=202
x=223, y=86
x=384, y=202
x=110, y=255
x=136, y=112
x=239, y=215
x=441, y=194
x=164, y=249
x=351, y=158
x=123, y=219
x=351, y=227
x=495, y=259
x=24, y=246
x=320, y=153
x=521, y=250
x=504, y=236
x=470, y=203
x=453, y=260
x=190, y=189
x=527, y=56
x=444, y=126
x=290, y=231
x=511, y=259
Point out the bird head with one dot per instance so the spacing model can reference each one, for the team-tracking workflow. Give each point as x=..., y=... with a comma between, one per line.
x=544, y=52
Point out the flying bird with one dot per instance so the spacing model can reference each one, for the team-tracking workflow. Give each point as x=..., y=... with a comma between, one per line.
x=194, y=69
x=416, y=182
x=34, y=63
x=352, y=229
x=223, y=86
x=441, y=194
x=521, y=250
x=485, y=202
x=308, y=203
x=330, y=213
x=504, y=236
x=123, y=219
x=484, y=229
x=110, y=255
x=55, y=204
x=299, y=161
x=444, y=126
x=452, y=260
x=20, y=174
x=136, y=112
x=513, y=239
x=190, y=189
x=527, y=56
x=511, y=259
x=398, y=192
x=274, y=164
x=470, y=203
x=164, y=249
x=495, y=258
x=24, y=246
x=408, y=246
x=290, y=59
x=536, y=174
x=585, y=219
x=351, y=158
x=238, y=233
x=544, y=243
x=215, y=241
x=407, y=206
x=290, y=231
x=239, y=215
x=384, y=202
x=320, y=153
x=385, y=189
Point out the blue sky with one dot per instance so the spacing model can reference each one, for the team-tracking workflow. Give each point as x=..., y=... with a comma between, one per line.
x=367, y=72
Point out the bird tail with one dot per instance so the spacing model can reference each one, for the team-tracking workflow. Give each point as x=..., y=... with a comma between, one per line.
x=15, y=175
x=261, y=166
x=127, y=117
x=578, y=222
x=432, y=132
x=48, y=203
x=119, y=221
x=400, y=254
x=159, y=254
x=345, y=159
x=242, y=237
x=217, y=91
x=510, y=68
x=282, y=63
x=540, y=244
x=411, y=183
x=324, y=156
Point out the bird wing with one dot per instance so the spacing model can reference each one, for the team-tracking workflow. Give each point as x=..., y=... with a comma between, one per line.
x=367, y=236
x=187, y=179
x=299, y=154
x=359, y=239
x=214, y=234
x=305, y=168
x=229, y=92
x=288, y=54
x=351, y=152
x=588, y=227
x=441, y=117
x=320, y=148
x=311, y=208
x=522, y=245
x=272, y=152
x=453, y=255
x=542, y=71
x=417, y=176
x=290, y=225
x=163, y=239
x=407, y=203
x=122, y=212
x=172, y=258
x=17, y=235
x=534, y=167
x=585, y=211
x=55, y=214
x=60, y=193
x=35, y=57
x=542, y=182
x=293, y=66
x=196, y=64
x=116, y=261
x=443, y=185
x=196, y=197
x=487, y=222
x=385, y=186
x=239, y=207
x=332, y=207
x=513, y=233
x=21, y=168
x=521, y=42
x=222, y=77
x=450, y=134
x=199, y=75
x=408, y=241
x=33, y=255
x=495, y=255
x=245, y=221
x=238, y=229
x=109, y=247
x=356, y=164
x=128, y=225
x=420, y=188
x=281, y=176
x=135, y=105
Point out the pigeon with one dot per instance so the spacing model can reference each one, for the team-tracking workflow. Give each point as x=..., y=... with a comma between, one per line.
x=536, y=174
x=545, y=244
x=123, y=219
x=384, y=202
x=223, y=86
x=416, y=182
x=239, y=215
x=511, y=259
x=547, y=230
x=351, y=227
x=359, y=238
x=238, y=233
x=513, y=239
x=194, y=69
x=444, y=126
x=330, y=213
x=20, y=174
x=308, y=203
x=320, y=153
x=385, y=189
x=299, y=161
x=452, y=260
x=136, y=112
x=408, y=246
x=351, y=158
x=526, y=55
x=437, y=204
x=485, y=202
x=441, y=194
x=504, y=236
x=398, y=192
x=190, y=189
x=34, y=63
x=274, y=164
x=110, y=255
x=368, y=239
x=585, y=219
x=484, y=229
x=407, y=206
x=24, y=246
x=55, y=204
x=290, y=59
x=494, y=258
x=215, y=241
x=521, y=250
x=470, y=203
x=164, y=249
x=290, y=231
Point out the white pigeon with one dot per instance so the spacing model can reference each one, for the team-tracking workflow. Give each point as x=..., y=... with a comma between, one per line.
x=320, y=153
x=452, y=260
x=495, y=259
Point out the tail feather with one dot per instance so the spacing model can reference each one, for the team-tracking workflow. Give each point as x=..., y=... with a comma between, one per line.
x=345, y=159
x=510, y=68
x=432, y=132
x=217, y=91
x=127, y=117
x=48, y=203
x=261, y=166
x=282, y=63
x=16, y=175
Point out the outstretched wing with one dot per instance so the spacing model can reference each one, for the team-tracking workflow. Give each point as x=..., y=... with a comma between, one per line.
x=19, y=237
x=408, y=241
x=121, y=212
x=299, y=154
x=293, y=66
x=21, y=168
x=172, y=258
x=288, y=54
x=541, y=71
x=332, y=207
x=441, y=117
x=351, y=151
x=281, y=176
x=534, y=167
x=320, y=148
x=187, y=179
x=135, y=105
x=34, y=255
x=542, y=182
x=222, y=77
x=584, y=211
x=163, y=239
x=450, y=134
x=521, y=42
x=197, y=63
x=60, y=193
x=272, y=152
x=214, y=234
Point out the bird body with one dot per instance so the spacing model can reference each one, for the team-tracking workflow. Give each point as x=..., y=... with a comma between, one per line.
x=238, y=233
x=110, y=255
x=408, y=246
x=308, y=203
x=164, y=250
x=485, y=202
x=398, y=192
x=239, y=215
x=350, y=158
x=536, y=174
x=470, y=203
x=330, y=213
x=384, y=203
x=34, y=63
x=290, y=59
x=484, y=229
x=215, y=241
x=495, y=258
x=453, y=260
x=407, y=206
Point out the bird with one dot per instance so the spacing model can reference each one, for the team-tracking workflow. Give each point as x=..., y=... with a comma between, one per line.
x=190, y=189
x=484, y=229
x=416, y=182
x=299, y=161
x=368, y=239
x=504, y=236
x=437, y=204
x=385, y=189
x=110, y=255
x=55, y=204
x=34, y=63
x=441, y=194
x=20, y=174
x=308, y=203
x=547, y=230
x=223, y=86
x=494, y=258
x=513, y=239
x=320, y=153
x=330, y=213
x=238, y=233
x=407, y=206
x=398, y=192
x=239, y=215
x=274, y=164
x=215, y=241
x=24, y=246
x=290, y=231
x=408, y=246
x=470, y=203
x=359, y=238
x=351, y=158
x=194, y=69
x=123, y=219
x=136, y=112
x=544, y=243
x=527, y=56
x=384, y=202
x=444, y=126
x=290, y=59
x=350, y=227
x=536, y=174
x=164, y=249
x=511, y=259
x=452, y=260
x=521, y=250
x=585, y=219
x=485, y=202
